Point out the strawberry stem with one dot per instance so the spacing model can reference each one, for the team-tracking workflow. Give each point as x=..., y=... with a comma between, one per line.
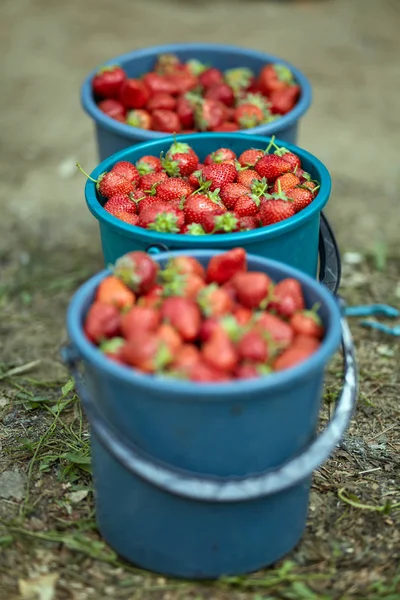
x=85, y=174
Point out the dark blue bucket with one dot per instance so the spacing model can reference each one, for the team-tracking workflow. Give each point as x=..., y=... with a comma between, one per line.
x=294, y=241
x=198, y=481
x=113, y=136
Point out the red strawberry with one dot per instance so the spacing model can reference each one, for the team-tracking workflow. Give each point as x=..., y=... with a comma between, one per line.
x=109, y=184
x=252, y=288
x=219, y=156
x=209, y=114
x=272, y=166
x=248, y=223
x=147, y=201
x=184, y=315
x=249, y=115
x=248, y=158
x=288, y=297
x=201, y=372
x=158, y=84
x=102, y=322
x=150, y=181
x=247, y=205
x=148, y=164
x=210, y=77
x=197, y=205
x=172, y=188
x=112, y=290
x=127, y=217
x=207, y=328
x=162, y=217
x=150, y=356
x=108, y=81
x=301, y=198
x=222, y=93
x=139, y=118
x=113, y=108
x=274, y=77
x=161, y=100
x=282, y=101
x=186, y=265
x=171, y=337
x=187, y=356
x=214, y=301
x=253, y=346
x=231, y=192
x=113, y=349
x=307, y=323
x=134, y=93
x=306, y=341
x=195, y=177
x=240, y=79
x=222, y=267
x=166, y=121
x=285, y=182
x=273, y=211
x=127, y=170
x=139, y=320
x=184, y=81
x=137, y=270
x=219, y=175
x=242, y=315
x=290, y=157
x=310, y=185
x=279, y=331
x=153, y=298
x=291, y=357
x=181, y=160
x=187, y=285
x=220, y=223
x=247, y=177
x=219, y=352
x=185, y=112
x=120, y=203
x=227, y=126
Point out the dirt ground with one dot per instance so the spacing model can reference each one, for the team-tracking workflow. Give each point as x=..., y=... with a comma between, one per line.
x=49, y=547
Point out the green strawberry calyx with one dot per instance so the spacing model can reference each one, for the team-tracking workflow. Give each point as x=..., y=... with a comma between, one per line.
x=283, y=73
x=124, y=269
x=170, y=166
x=226, y=222
x=239, y=78
x=112, y=346
x=107, y=68
x=165, y=222
x=280, y=195
x=259, y=187
x=196, y=67
x=195, y=229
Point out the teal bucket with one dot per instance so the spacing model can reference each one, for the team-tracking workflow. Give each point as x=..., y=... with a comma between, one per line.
x=294, y=241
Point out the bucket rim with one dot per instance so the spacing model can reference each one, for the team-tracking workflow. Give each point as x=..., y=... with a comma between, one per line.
x=211, y=392
x=134, y=133
x=208, y=241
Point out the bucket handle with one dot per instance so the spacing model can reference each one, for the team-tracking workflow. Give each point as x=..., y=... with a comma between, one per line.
x=231, y=489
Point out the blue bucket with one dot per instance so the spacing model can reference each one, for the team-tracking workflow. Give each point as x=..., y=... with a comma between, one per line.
x=203, y=480
x=294, y=241
x=113, y=136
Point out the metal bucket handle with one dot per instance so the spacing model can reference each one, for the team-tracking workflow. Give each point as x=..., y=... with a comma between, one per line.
x=329, y=256
x=231, y=489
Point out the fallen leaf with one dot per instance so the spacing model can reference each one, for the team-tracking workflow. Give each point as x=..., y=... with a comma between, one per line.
x=38, y=588
x=78, y=496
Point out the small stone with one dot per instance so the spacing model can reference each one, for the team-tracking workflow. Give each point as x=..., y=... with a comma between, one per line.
x=12, y=485
x=352, y=258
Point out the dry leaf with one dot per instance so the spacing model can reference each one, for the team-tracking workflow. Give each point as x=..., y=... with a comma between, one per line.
x=78, y=496
x=38, y=588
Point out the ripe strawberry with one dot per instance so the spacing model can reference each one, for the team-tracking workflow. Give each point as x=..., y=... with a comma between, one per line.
x=290, y=157
x=149, y=182
x=222, y=267
x=214, y=301
x=184, y=81
x=278, y=330
x=127, y=217
x=172, y=188
x=306, y=341
x=186, y=265
x=184, y=315
x=186, y=357
x=102, y=322
x=222, y=93
x=158, y=84
x=161, y=100
x=219, y=352
x=226, y=127
x=139, y=118
x=219, y=175
x=219, y=156
x=150, y=356
x=231, y=192
x=180, y=160
x=148, y=164
x=127, y=170
x=153, y=298
x=310, y=185
x=209, y=114
x=113, y=108
x=282, y=101
x=109, y=184
x=201, y=372
x=185, y=112
x=247, y=205
x=207, y=328
x=286, y=182
x=291, y=357
x=251, y=288
x=301, y=197
x=253, y=346
x=272, y=166
x=240, y=79
x=247, y=177
x=273, y=211
x=162, y=217
x=248, y=115
x=274, y=77
x=248, y=223
x=171, y=337
x=307, y=322
x=187, y=285
x=250, y=157
x=134, y=93
x=287, y=297
x=113, y=349
x=108, y=81
x=147, y=201
x=211, y=77
x=137, y=270
x=166, y=121
x=139, y=320
x=113, y=291
x=120, y=203
x=197, y=205
x=219, y=223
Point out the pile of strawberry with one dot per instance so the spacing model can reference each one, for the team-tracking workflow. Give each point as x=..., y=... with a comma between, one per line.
x=177, y=194
x=205, y=325
x=181, y=97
